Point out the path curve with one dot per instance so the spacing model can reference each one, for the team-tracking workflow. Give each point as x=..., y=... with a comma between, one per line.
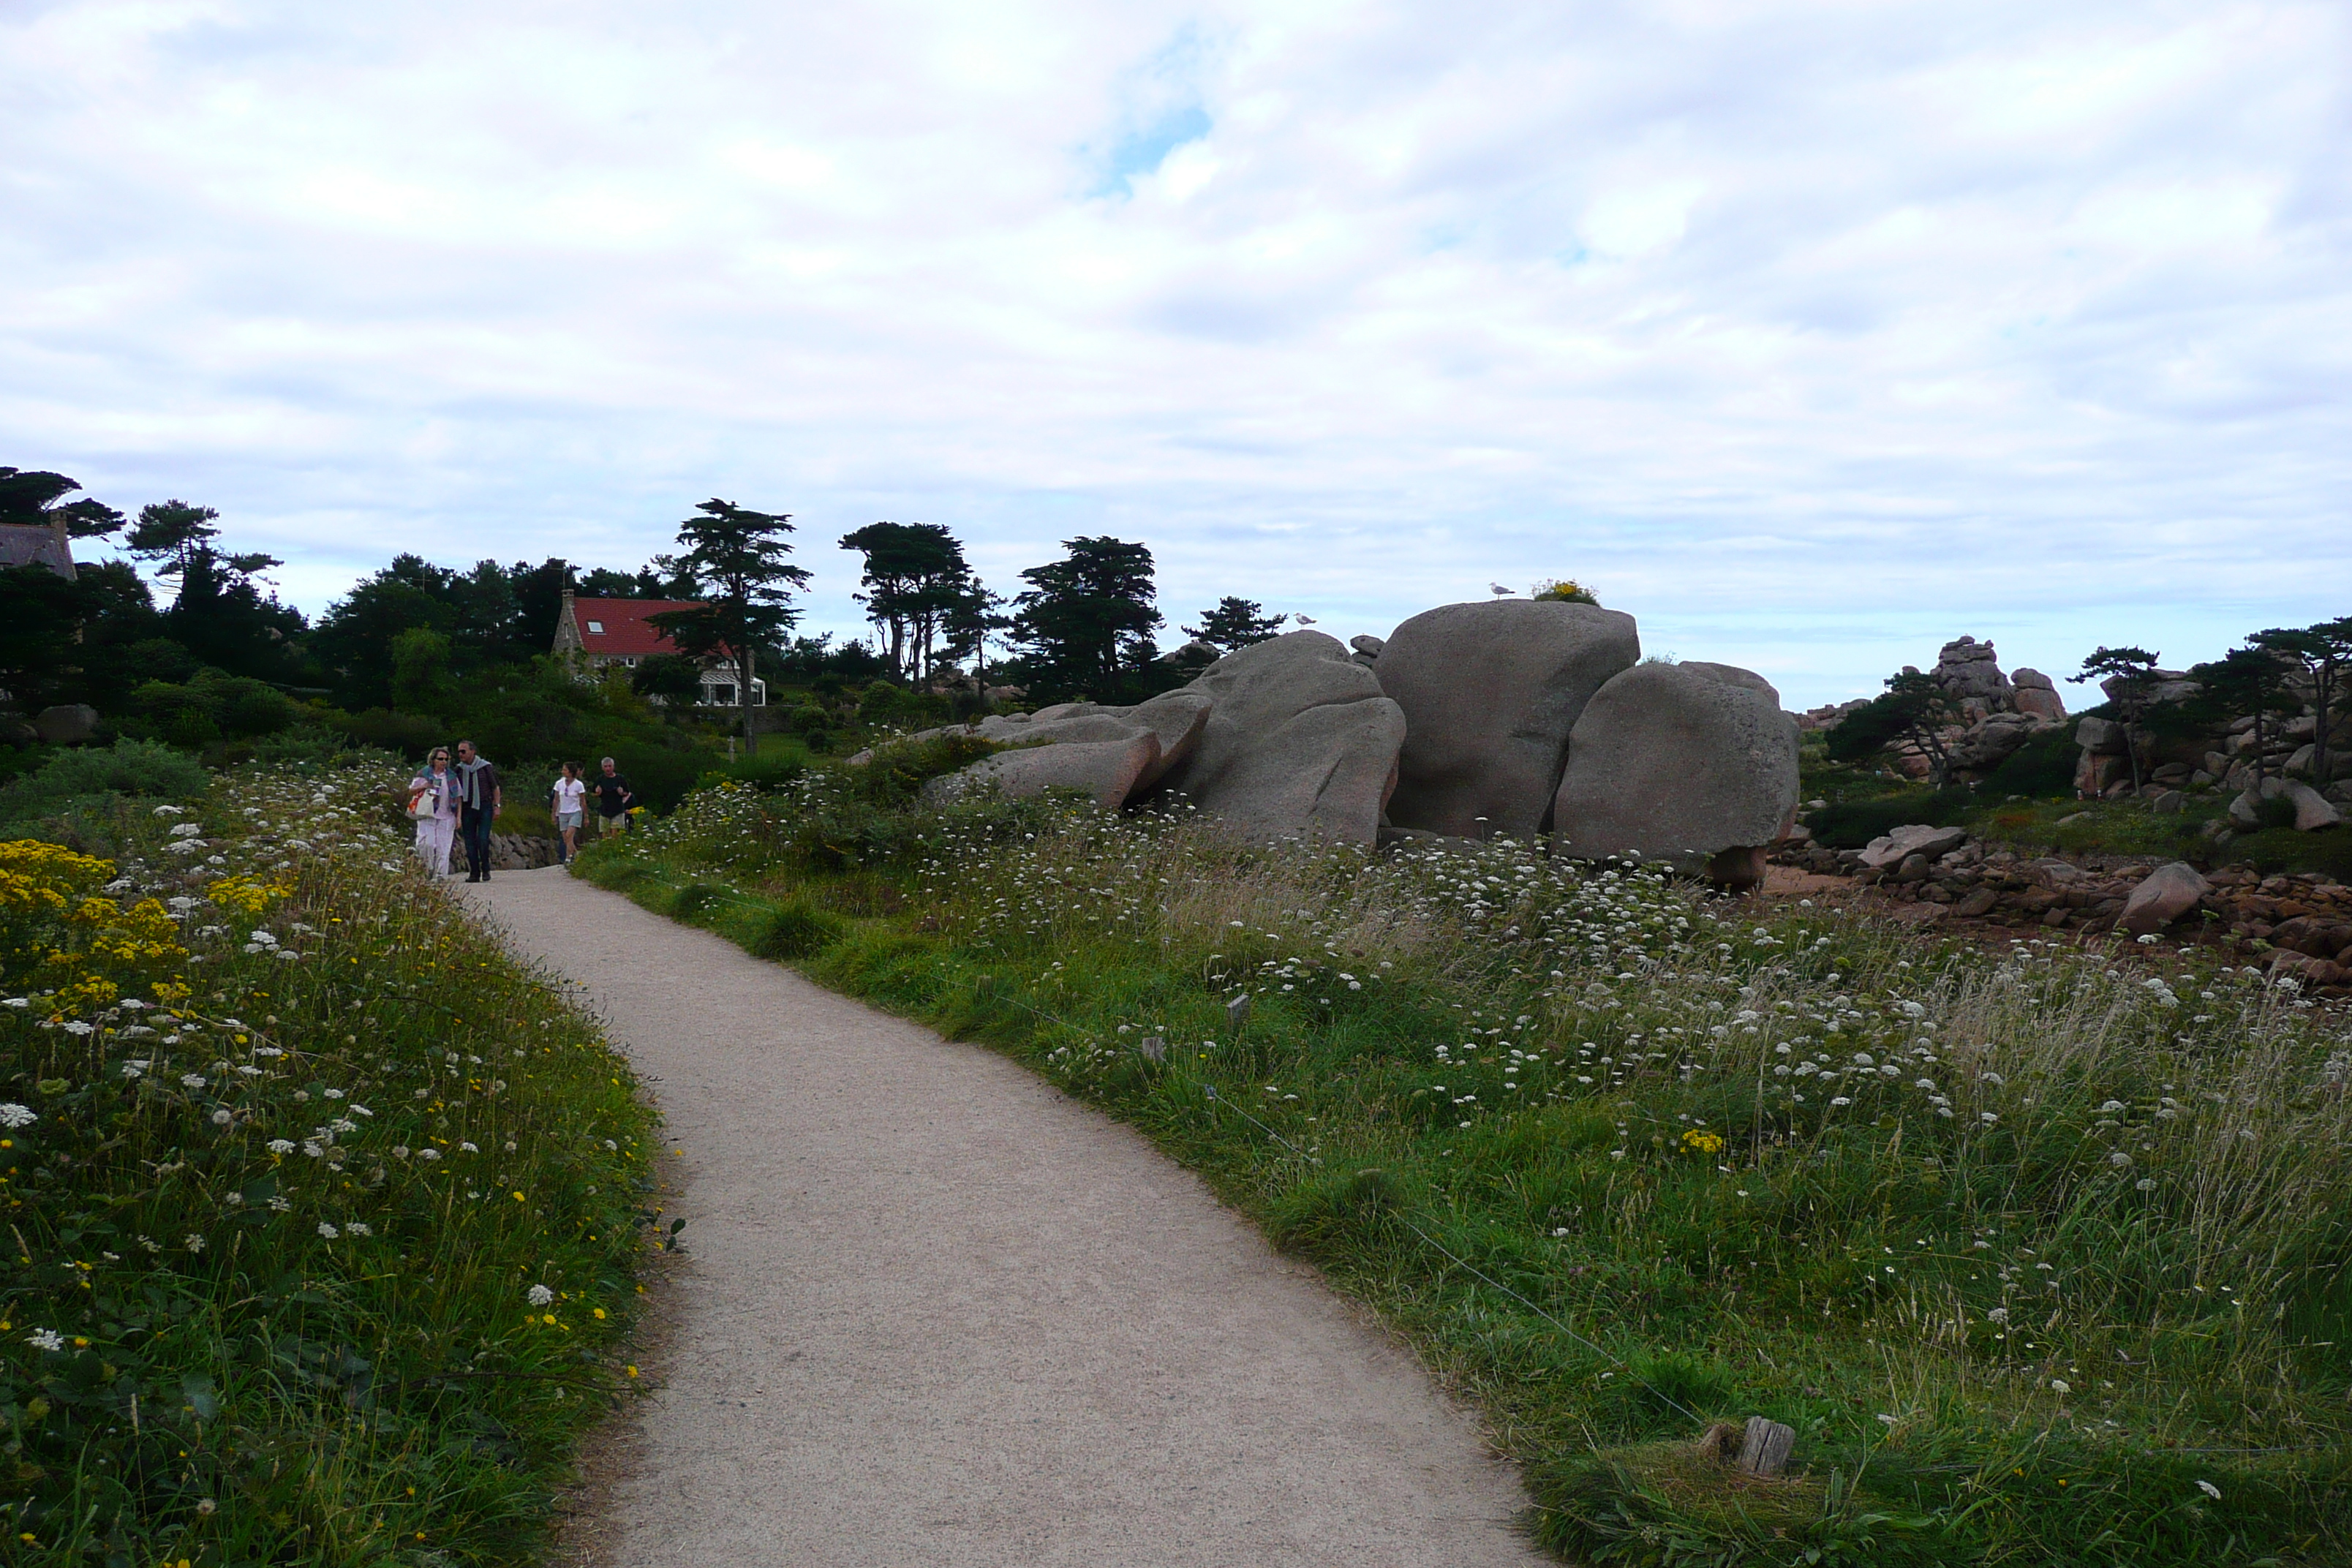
x=937, y=1313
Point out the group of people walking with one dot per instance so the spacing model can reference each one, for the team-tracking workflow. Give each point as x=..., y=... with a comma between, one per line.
x=459, y=803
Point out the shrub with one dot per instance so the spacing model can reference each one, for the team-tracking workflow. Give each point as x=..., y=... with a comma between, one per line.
x=2041, y=769
x=693, y=902
x=128, y=767
x=408, y=735
x=795, y=931
x=247, y=707
x=1851, y=825
x=177, y=713
x=1564, y=590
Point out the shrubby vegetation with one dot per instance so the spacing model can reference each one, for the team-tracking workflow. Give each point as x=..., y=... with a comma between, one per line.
x=89, y=776
x=2037, y=1251
x=325, y=1217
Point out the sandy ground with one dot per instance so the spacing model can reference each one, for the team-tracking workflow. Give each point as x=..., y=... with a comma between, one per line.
x=933, y=1312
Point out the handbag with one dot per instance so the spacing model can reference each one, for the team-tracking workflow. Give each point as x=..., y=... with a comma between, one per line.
x=422, y=806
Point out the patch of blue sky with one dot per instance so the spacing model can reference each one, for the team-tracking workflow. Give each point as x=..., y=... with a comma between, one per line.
x=1140, y=152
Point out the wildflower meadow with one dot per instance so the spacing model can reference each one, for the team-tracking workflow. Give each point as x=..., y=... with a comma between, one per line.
x=2039, y=1249
x=323, y=1218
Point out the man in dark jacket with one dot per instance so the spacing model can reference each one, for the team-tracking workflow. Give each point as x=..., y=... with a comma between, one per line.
x=614, y=799
x=478, y=805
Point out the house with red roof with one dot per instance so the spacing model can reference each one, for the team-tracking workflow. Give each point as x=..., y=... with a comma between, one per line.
x=598, y=634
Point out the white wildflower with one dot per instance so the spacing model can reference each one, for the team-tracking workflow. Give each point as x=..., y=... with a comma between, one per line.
x=539, y=1295
x=13, y=1115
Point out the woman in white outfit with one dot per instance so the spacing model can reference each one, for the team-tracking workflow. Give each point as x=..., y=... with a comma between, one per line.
x=432, y=801
x=567, y=799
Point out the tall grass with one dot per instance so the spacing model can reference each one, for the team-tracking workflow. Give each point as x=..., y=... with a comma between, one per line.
x=2040, y=1252
x=324, y=1216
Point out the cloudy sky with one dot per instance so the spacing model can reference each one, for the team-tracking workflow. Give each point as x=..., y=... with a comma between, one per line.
x=1813, y=334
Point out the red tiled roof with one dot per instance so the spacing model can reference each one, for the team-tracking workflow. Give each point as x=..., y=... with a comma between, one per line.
x=627, y=633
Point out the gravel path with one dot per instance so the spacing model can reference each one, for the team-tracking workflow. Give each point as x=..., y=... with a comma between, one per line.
x=936, y=1313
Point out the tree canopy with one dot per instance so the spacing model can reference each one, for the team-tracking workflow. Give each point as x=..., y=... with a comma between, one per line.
x=1914, y=710
x=37, y=498
x=744, y=561
x=919, y=592
x=1086, y=620
x=1236, y=623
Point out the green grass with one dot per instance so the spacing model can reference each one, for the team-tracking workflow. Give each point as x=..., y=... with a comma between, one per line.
x=283, y=1218
x=1547, y=1122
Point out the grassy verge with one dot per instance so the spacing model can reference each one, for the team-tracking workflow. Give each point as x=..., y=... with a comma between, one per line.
x=325, y=1216
x=2039, y=1253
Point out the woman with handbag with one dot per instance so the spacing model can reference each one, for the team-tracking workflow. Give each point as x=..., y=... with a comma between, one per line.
x=432, y=805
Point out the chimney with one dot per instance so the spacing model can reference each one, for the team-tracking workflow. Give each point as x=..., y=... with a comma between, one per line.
x=65, y=545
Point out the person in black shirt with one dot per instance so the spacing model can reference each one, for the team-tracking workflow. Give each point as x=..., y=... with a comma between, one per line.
x=613, y=799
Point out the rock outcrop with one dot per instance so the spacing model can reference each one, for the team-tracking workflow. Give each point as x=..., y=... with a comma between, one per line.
x=1300, y=742
x=2036, y=695
x=1469, y=721
x=1174, y=720
x=1691, y=764
x=1970, y=672
x=1108, y=769
x=1490, y=693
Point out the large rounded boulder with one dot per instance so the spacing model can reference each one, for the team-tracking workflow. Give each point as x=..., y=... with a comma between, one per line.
x=1691, y=764
x=1491, y=693
x=1300, y=742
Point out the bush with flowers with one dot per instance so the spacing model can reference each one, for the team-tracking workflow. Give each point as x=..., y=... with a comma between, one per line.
x=322, y=1217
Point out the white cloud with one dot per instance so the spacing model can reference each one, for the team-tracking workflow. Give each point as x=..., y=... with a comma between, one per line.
x=1815, y=335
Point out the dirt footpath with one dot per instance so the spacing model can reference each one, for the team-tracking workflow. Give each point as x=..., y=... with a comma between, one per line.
x=933, y=1312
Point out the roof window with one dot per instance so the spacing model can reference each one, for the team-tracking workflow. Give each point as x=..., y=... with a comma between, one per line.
x=596, y=626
